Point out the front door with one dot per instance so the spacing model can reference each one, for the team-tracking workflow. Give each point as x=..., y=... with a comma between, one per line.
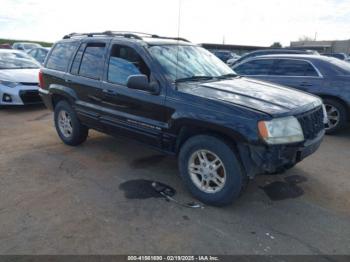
x=134, y=113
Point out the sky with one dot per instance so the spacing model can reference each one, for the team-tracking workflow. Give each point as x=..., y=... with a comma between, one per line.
x=245, y=22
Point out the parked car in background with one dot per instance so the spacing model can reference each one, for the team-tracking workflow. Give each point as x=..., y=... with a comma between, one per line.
x=224, y=55
x=24, y=46
x=5, y=46
x=341, y=56
x=272, y=52
x=39, y=53
x=181, y=99
x=324, y=76
x=18, y=78
x=231, y=61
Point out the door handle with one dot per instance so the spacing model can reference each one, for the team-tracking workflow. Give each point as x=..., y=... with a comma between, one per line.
x=68, y=81
x=109, y=92
x=305, y=84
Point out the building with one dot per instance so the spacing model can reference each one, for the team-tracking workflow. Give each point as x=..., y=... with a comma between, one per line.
x=238, y=49
x=336, y=46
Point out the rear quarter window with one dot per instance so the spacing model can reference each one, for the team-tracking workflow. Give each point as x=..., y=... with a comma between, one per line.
x=291, y=67
x=61, y=55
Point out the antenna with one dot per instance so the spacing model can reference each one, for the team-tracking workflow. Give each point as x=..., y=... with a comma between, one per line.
x=178, y=36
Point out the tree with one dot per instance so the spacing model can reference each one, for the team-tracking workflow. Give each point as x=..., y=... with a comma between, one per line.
x=276, y=45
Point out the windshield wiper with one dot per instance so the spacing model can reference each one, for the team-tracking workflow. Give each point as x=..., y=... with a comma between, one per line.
x=194, y=78
x=227, y=76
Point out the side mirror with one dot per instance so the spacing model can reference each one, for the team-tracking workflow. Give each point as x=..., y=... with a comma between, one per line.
x=140, y=82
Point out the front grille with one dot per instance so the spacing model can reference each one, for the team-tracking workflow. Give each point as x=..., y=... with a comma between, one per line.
x=30, y=96
x=311, y=122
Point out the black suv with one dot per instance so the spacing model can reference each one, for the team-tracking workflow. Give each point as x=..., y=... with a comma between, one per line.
x=182, y=100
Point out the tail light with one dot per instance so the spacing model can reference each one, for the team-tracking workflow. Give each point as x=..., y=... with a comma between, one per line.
x=41, y=80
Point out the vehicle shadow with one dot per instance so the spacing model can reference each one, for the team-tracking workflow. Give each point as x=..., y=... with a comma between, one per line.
x=343, y=133
x=22, y=109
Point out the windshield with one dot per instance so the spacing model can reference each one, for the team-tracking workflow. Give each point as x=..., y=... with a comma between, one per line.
x=184, y=61
x=16, y=61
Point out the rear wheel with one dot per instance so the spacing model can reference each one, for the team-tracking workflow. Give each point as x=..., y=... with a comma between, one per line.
x=336, y=114
x=68, y=126
x=211, y=171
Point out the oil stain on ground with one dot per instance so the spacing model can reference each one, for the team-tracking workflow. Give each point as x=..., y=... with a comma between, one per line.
x=147, y=161
x=280, y=190
x=143, y=189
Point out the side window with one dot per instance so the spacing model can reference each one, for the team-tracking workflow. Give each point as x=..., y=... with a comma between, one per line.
x=40, y=55
x=60, y=56
x=33, y=52
x=289, y=67
x=255, y=67
x=77, y=59
x=123, y=62
x=93, y=60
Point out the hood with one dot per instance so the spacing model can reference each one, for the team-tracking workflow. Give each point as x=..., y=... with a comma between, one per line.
x=266, y=97
x=20, y=75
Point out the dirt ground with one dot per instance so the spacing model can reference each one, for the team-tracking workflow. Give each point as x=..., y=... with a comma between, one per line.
x=56, y=199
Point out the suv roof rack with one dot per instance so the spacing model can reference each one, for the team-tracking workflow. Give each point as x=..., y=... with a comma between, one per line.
x=127, y=34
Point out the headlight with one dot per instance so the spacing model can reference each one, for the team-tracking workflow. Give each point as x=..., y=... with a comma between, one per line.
x=281, y=130
x=8, y=83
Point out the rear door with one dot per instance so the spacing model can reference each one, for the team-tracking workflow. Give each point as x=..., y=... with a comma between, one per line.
x=297, y=73
x=134, y=113
x=85, y=76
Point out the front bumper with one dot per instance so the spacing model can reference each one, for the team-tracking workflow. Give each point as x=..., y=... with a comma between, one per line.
x=273, y=159
x=19, y=95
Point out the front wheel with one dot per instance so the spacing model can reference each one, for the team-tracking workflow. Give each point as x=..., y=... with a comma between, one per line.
x=68, y=126
x=336, y=114
x=210, y=170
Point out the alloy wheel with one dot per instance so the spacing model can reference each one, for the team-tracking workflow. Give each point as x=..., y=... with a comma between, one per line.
x=207, y=171
x=65, y=124
x=333, y=116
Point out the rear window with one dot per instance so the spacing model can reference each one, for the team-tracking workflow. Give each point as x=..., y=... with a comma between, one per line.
x=339, y=67
x=289, y=67
x=60, y=56
x=92, y=61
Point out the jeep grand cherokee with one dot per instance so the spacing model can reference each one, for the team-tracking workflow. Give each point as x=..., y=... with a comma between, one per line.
x=181, y=99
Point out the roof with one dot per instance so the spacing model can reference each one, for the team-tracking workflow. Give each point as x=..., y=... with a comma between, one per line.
x=26, y=43
x=297, y=56
x=151, y=39
x=11, y=51
x=160, y=41
x=227, y=46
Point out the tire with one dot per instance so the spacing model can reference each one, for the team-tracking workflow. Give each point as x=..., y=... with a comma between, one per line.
x=340, y=113
x=235, y=179
x=78, y=132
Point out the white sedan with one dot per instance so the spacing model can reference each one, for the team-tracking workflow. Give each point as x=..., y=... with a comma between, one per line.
x=18, y=78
